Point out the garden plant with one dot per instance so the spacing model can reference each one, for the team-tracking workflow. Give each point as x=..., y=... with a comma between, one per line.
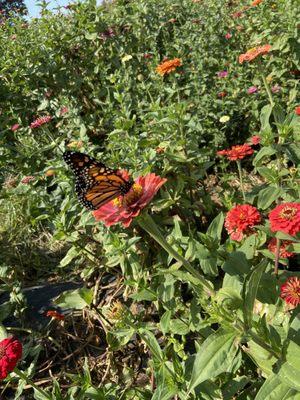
x=150, y=156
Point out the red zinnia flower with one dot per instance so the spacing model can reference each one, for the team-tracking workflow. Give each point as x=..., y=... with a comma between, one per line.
x=240, y=220
x=255, y=139
x=222, y=94
x=56, y=315
x=237, y=152
x=168, y=66
x=40, y=121
x=254, y=52
x=15, y=127
x=125, y=208
x=283, y=253
x=10, y=354
x=27, y=179
x=286, y=218
x=297, y=110
x=228, y=35
x=290, y=291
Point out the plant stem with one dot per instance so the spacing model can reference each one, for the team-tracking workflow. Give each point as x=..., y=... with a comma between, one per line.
x=277, y=253
x=238, y=162
x=146, y=222
x=32, y=384
x=268, y=90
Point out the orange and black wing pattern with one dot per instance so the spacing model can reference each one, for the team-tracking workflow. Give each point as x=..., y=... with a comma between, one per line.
x=95, y=184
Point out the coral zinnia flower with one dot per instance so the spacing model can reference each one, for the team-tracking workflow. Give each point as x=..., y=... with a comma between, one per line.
x=40, y=121
x=255, y=139
x=56, y=315
x=15, y=127
x=10, y=354
x=283, y=253
x=297, y=110
x=240, y=220
x=237, y=152
x=256, y=3
x=286, y=218
x=125, y=208
x=290, y=291
x=254, y=52
x=168, y=66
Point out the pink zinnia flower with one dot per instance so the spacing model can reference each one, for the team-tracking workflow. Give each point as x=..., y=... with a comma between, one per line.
x=290, y=291
x=40, y=121
x=27, y=179
x=228, y=35
x=125, y=208
x=252, y=89
x=276, y=89
x=63, y=110
x=222, y=74
x=15, y=127
x=255, y=139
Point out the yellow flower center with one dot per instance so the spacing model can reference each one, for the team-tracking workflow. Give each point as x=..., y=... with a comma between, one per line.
x=131, y=197
x=288, y=213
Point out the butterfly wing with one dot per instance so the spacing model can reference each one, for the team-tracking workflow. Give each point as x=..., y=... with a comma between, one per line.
x=95, y=184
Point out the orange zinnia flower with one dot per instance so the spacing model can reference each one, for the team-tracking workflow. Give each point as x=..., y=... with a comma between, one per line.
x=256, y=3
x=168, y=66
x=254, y=52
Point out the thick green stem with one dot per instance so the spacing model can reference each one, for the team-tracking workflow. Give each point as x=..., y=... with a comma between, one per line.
x=238, y=162
x=277, y=254
x=147, y=223
x=268, y=90
x=32, y=384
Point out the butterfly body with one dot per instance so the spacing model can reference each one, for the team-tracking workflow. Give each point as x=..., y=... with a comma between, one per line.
x=95, y=184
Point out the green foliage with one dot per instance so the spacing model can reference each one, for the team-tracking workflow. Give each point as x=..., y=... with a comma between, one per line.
x=174, y=306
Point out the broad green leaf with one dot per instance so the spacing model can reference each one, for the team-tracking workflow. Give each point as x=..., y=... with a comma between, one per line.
x=263, y=152
x=268, y=173
x=72, y=253
x=275, y=389
x=3, y=332
x=165, y=322
x=119, y=338
x=267, y=196
x=144, y=294
x=152, y=343
x=265, y=114
x=216, y=355
x=250, y=288
x=261, y=357
x=216, y=226
x=77, y=299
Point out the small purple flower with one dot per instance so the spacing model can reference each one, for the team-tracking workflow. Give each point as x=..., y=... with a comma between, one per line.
x=252, y=89
x=222, y=74
x=276, y=89
x=109, y=33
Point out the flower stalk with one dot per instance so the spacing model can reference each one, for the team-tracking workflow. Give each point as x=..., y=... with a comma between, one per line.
x=21, y=375
x=146, y=222
x=238, y=162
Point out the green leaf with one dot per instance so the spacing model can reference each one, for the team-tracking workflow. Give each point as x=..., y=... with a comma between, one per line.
x=265, y=114
x=77, y=299
x=216, y=226
x=264, y=152
x=144, y=294
x=250, y=288
x=119, y=338
x=152, y=343
x=72, y=253
x=165, y=321
x=3, y=332
x=91, y=36
x=269, y=174
x=275, y=389
x=267, y=196
x=216, y=355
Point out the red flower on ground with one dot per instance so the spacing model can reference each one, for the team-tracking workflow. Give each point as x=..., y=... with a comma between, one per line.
x=285, y=218
x=290, y=291
x=254, y=52
x=40, y=121
x=297, y=110
x=125, y=208
x=10, y=354
x=255, y=139
x=240, y=221
x=283, y=253
x=56, y=315
x=15, y=127
x=222, y=94
x=236, y=152
x=27, y=179
x=168, y=66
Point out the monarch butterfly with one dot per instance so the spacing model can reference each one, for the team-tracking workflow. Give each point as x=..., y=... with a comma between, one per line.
x=95, y=184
